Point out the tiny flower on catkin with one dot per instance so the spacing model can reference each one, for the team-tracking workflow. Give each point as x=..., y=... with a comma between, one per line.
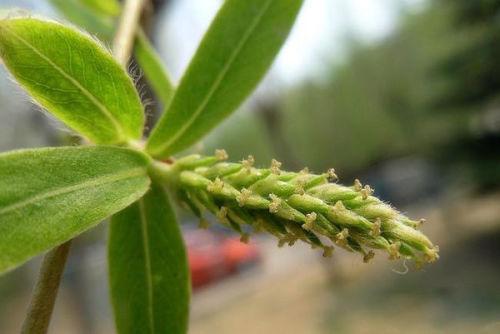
x=297, y=206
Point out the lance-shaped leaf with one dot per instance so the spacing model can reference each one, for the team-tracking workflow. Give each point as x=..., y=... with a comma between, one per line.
x=50, y=195
x=148, y=268
x=237, y=50
x=107, y=7
x=97, y=17
x=91, y=19
x=73, y=77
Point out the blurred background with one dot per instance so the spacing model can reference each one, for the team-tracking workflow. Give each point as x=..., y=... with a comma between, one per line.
x=403, y=94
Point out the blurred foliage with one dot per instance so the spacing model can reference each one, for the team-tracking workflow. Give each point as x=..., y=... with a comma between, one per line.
x=375, y=106
x=455, y=298
x=425, y=89
x=473, y=71
x=241, y=135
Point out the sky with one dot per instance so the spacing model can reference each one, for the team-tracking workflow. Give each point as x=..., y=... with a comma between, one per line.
x=320, y=33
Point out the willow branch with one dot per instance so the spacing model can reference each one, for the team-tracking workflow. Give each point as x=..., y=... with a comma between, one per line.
x=45, y=291
x=125, y=35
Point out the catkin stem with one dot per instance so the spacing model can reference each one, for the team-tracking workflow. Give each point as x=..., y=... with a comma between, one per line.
x=45, y=291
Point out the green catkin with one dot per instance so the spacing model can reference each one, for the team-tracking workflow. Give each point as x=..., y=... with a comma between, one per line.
x=297, y=206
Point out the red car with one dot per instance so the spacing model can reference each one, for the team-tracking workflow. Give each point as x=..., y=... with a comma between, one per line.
x=214, y=254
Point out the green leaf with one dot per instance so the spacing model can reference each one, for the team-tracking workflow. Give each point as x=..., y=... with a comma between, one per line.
x=50, y=195
x=148, y=268
x=236, y=52
x=108, y=7
x=73, y=77
x=153, y=68
x=101, y=24
x=87, y=18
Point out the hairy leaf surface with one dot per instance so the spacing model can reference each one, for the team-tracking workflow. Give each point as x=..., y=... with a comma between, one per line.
x=235, y=53
x=148, y=268
x=100, y=22
x=153, y=68
x=50, y=195
x=73, y=77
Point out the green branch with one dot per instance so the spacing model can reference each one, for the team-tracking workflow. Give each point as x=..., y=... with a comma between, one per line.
x=45, y=292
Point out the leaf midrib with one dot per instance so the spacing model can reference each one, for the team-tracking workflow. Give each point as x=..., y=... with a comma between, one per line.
x=147, y=264
x=219, y=78
x=75, y=82
x=102, y=180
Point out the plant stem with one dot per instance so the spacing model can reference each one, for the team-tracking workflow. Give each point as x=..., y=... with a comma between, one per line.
x=125, y=35
x=45, y=291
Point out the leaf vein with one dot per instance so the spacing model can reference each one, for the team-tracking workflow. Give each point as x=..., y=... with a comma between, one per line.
x=72, y=188
x=147, y=264
x=219, y=79
x=75, y=82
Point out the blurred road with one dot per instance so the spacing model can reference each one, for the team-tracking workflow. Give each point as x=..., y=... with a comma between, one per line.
x=286, y=294
x=295, y=290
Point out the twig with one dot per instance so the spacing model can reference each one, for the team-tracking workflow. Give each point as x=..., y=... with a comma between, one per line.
x=124, y=38
x=45, y=291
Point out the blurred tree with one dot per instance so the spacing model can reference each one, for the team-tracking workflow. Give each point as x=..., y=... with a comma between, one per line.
x=373, y=106
x=473, y=72
x=388, y=100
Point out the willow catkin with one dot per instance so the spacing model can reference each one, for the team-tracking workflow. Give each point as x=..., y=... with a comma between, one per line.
x=296, y=206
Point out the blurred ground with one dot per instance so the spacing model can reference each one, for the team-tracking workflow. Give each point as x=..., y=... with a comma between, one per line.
x=295, y=290
x=341, y=295
x=287, y=294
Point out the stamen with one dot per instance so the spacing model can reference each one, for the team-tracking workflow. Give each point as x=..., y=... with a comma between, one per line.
x=376, y=228
x=431, y=255
x=299, y=185
x=305, y=170
x=222, y=213
x=275, y=203
x=332, y=177
x=394, y=251
x=358, y=185
x=366, y=191
x=328, y=251
x=248, y=162
x=341, y=237
x=368, y=256
x=221, y=155
x=309, y=221
x=290, y=239
x=215, y=186
x=275, y=167
x=242, y=198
